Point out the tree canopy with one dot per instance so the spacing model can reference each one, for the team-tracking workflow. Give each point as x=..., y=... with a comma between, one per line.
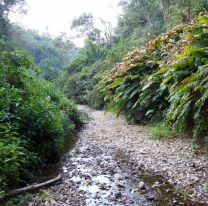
x=84, y=24
x=6, y=6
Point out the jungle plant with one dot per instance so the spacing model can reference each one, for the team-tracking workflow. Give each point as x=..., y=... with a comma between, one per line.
x=35, y=120
x=167, y=79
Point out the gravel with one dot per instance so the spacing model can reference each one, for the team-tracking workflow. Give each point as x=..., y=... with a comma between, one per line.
x=93, y=176
x=175, y=159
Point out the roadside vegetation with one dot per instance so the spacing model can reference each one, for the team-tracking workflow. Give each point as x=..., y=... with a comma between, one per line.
x=36, y=119
x=139, y=22
x=152, y=68
x=164, y=80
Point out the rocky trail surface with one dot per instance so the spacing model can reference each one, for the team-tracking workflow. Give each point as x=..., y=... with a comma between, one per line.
x=117, y=164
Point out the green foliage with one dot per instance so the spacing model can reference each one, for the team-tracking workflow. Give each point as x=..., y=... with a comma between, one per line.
x=140, y=19
x=85, y=25
x=79, y=76
x=162, y=131
x=86, y=69
x=143, y=19
x=6, y=6
x=13, y=157
x=177, y=11
x=51, y=54
x=165, y=79
x=20, y=200
x=188, y=93
x=139, y=22
x=95, y=99
x=129, y=85
x=35, y=119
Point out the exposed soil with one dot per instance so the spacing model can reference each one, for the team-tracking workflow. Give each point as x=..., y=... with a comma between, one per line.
x=114, y=163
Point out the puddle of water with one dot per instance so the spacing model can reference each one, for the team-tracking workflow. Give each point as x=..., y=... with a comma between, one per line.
x=156, y=186
x=101, y=179
x=76, y=179
x=102, y=182
x=112, y=180
x=90, y=189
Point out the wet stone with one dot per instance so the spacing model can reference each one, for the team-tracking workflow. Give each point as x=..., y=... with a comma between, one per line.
x=118, y=195
x=142, y=185
x=150, y=197
x=93, y=176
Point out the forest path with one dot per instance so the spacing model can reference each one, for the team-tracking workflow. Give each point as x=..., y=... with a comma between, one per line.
x=109, y=165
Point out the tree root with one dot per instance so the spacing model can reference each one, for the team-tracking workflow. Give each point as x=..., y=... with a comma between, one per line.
x=34, y=187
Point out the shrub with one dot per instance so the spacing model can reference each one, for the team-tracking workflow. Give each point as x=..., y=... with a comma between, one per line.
x=95, y=99
x=13, y=157
x=167, y=79
x=35, y=119
x=162, y=131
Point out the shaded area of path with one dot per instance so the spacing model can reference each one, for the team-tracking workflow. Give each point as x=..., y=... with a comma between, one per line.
x=109, y=165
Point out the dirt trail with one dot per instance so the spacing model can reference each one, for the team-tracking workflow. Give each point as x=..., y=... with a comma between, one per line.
x=109, y=166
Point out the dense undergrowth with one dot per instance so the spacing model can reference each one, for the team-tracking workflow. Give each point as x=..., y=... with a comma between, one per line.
x=35, y=120
x=165, y=80
x=87, y=68
x=139, y=22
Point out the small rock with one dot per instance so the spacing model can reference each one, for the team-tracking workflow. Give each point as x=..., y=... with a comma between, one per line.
x=103, y=187
x=129, y=202
x=142, y=185
x=65, y=170
x=132, y=191
x=175, y=202
x=134, y=172
x=118, y=195
x=168, y=190
x=156, y=184
x=150, y=197
x=120, y=186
